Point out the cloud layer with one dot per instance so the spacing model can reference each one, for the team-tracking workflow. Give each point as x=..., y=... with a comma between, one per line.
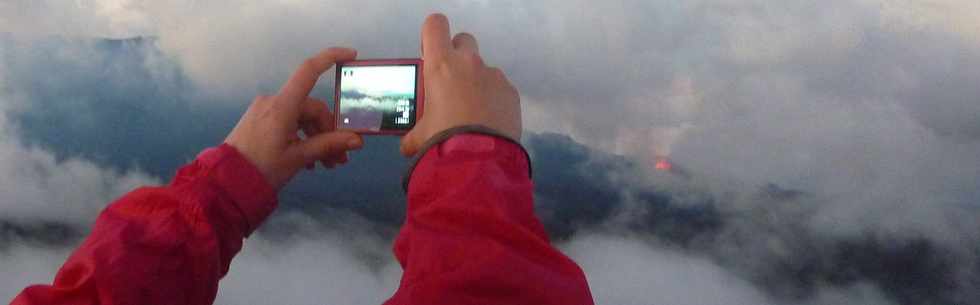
x=829, y=148
x=37, y=186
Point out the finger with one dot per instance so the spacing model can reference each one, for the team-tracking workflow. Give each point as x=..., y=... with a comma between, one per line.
x=334, y=159
x=341, y=158
x=299, y=85
x=261, y=101
x=466, y=42
x=502, y=80
x=315, y=113
x=322, y=146
x=410, y=144
x=310, y=130
x=328, y=162
x=496, y=73
x=435, y=37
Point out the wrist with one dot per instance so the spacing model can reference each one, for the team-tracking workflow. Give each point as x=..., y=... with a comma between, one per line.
x=242, y=182
x=480, y=139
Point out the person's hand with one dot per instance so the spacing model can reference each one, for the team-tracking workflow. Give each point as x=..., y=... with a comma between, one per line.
x=459, y=89
x=267, y=135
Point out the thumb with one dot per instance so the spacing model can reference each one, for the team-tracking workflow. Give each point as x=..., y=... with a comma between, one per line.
x=411, y=142
x=324, y=145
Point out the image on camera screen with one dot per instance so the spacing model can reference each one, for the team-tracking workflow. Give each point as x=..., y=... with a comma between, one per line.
x=378, y=97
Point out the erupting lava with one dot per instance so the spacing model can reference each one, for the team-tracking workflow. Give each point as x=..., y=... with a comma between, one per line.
x=662, y=163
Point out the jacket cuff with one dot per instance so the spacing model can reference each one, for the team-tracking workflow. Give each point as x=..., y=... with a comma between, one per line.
x=447, y=134
x=242, y=182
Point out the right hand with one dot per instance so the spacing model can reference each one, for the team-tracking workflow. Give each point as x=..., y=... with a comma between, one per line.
x=267, y=133
x=459, y=89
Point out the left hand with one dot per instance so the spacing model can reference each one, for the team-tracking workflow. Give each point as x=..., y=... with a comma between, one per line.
x=267, y=134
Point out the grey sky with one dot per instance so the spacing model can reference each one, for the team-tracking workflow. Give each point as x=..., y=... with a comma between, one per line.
x=870, y=107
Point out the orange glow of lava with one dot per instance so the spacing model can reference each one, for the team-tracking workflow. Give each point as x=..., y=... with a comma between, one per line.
x=662, y=164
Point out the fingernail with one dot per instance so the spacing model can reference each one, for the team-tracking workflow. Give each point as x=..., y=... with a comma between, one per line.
x=354, y=143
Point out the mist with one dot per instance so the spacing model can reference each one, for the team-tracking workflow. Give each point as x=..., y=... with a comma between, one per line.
x=828, y=150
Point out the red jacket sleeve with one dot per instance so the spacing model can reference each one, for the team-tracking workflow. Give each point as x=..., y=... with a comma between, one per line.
x=471, y=235
x=165, y=245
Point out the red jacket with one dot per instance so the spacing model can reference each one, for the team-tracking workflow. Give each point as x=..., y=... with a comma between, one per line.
x=470, y=235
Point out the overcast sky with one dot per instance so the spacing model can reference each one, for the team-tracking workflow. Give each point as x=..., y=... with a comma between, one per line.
x=871, y=108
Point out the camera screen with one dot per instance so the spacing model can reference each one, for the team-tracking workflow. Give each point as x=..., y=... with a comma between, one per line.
x=377, y=97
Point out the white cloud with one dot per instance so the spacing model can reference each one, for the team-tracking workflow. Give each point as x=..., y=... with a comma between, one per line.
x=339, y=265
x=25, y=265
x=35, y=185
x=868, y=105
x=87, y=18
x=626, y=271
x=954, y=16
